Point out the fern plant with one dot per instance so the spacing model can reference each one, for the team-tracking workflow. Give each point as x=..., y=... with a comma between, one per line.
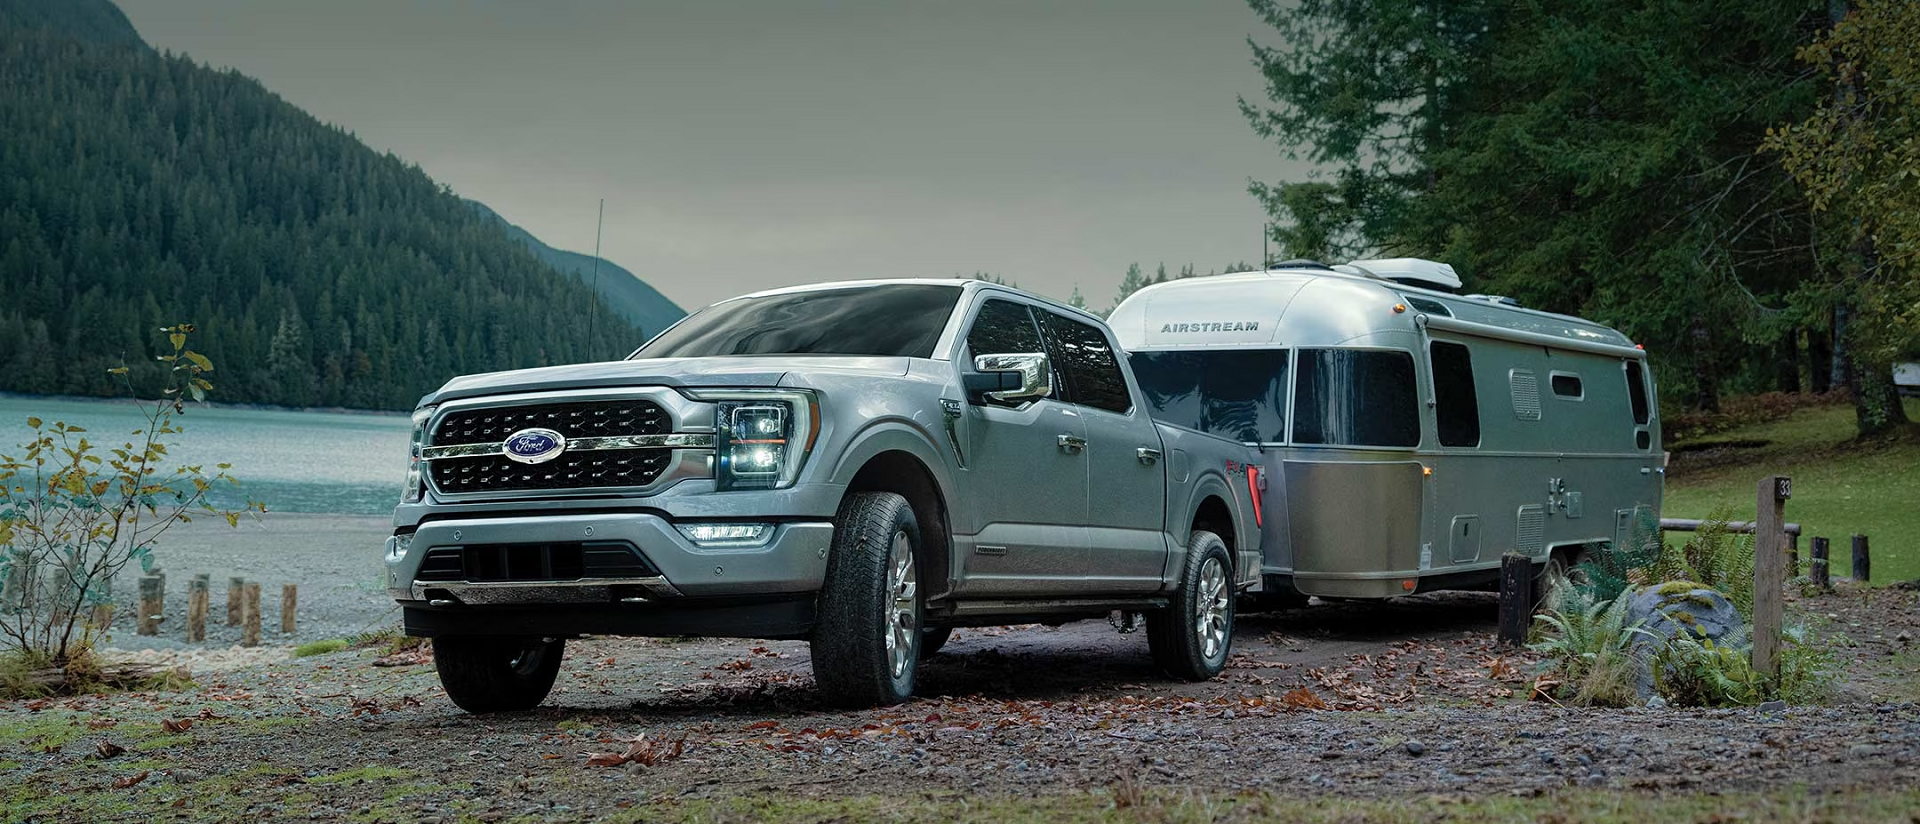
x=1591, y=647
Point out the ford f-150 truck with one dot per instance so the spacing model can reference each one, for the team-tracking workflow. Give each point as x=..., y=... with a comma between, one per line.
x=863, y=465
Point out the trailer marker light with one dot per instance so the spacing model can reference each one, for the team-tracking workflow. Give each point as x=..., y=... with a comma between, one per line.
x=1407, y=585
x=1427, y=471
x=1399, y=308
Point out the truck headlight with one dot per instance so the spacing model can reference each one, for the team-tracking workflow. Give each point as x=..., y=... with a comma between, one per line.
x=761, y=438
x=415, y=484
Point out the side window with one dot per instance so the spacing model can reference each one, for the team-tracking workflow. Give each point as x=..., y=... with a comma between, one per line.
x=1081, y=354
x=1456, y=407
x=1637, y=391
x=1567, y=385
x=1356, y=397
x=1239, y=394
x=1003, y=328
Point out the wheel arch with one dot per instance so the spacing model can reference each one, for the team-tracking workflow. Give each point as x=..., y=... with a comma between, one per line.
x=906, y=474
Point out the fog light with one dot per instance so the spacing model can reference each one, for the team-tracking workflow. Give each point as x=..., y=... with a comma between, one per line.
x=398, y=546
x=727, y=534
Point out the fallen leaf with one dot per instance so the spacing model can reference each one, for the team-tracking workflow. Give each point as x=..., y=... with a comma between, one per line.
x=38, y=704
x=605, y=759
x=123, y=783
x=763, y=725
x=102, y=723
x=108, y=749
x=171, y=725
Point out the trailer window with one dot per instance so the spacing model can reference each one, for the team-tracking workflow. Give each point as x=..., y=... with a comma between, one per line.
x=1637, y=392
x=1236, y=393
x=1567, y=385
x=1456, y=407
x=1082, y=355
x=1355, y=397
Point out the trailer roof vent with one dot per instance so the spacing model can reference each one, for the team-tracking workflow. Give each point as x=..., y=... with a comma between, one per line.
x=1503, y=300
x=1406, y=271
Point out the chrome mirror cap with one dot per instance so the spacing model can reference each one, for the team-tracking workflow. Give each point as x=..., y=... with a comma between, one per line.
x=1035, y=371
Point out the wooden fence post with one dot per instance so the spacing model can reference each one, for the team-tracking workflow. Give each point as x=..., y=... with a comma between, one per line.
x=1862, y=563
x=197, y=607
x=1818, y=568
x=1516, y=597
x=236, y=592
x=289, y=595
x=1769, y=574
x=151, y=599
x=250, y=617
x=1793, y=555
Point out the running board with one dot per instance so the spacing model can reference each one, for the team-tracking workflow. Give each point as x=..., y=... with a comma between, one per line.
x=1038, y=610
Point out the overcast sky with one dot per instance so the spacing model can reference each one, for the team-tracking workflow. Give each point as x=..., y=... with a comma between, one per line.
x=746, y=145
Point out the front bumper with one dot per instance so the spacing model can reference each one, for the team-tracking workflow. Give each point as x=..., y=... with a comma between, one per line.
x=792, y=561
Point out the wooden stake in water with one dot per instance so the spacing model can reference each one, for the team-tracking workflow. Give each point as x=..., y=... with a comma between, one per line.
x=250, y=616
x=151, y=597
x=289, y=595
x=197, y=608
x=236, y=587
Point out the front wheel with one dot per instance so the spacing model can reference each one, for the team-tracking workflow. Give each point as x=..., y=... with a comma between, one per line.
x=497, y=674
x=867, y=638
x=1190, y=639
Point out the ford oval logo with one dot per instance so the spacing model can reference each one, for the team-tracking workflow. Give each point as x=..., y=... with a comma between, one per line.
x=532, y=446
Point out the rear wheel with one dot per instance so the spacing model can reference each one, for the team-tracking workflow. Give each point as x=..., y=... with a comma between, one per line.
x=1562, y=565
x=867, y=639
x=1190, y=639
x=497, y=674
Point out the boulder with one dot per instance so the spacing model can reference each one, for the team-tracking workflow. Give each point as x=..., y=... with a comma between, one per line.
x=1680, y=608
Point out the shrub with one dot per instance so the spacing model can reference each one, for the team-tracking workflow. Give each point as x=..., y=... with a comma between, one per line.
x=73, y=515
x=1590, y=647
x=1715, y=558
x=1701, y=673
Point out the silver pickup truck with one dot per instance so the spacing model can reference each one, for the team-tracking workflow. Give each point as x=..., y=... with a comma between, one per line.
x=863, y=465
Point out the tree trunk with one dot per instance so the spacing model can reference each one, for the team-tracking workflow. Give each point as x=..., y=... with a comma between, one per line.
x=1819, y=360
x=1786, y=363
x=1706, y=384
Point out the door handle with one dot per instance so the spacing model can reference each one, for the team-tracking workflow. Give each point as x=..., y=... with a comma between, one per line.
x=1072, y=443
x=1148, y=456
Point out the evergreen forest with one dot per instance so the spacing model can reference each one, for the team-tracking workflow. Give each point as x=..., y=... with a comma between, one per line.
x=139, y=190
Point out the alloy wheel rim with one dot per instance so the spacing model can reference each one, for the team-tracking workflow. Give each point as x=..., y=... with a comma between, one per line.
x=903, y=589
x=1210, y=610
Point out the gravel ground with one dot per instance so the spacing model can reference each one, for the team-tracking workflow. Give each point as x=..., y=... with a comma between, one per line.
x=1407, y=699
x=333, y=559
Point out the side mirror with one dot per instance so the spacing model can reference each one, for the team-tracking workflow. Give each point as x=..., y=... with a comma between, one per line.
x=1014, y=378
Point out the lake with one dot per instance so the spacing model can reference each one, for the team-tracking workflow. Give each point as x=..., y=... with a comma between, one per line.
x=291, y=461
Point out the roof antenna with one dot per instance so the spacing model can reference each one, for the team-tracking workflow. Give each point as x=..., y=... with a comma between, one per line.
x=593, y=315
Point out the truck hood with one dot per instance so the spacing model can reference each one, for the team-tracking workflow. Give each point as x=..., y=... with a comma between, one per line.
x=731, y=371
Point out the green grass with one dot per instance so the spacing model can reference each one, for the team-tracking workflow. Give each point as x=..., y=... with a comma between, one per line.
x=1839, y=488
x=312, y=648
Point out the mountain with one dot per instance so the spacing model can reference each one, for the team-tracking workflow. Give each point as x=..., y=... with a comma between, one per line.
x=97, y=21
x=624, y=292
x=140, y=189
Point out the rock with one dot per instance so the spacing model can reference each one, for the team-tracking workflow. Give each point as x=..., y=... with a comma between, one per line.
x=1774, y=707
x=1655, y=702
x=1414, y=747
x=1862, y=751
x=1680, y=609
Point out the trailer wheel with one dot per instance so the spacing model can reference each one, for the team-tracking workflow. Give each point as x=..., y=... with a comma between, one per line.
x=1190, y=639
x=1565, y=564
x=867, y=639
x=497, y=674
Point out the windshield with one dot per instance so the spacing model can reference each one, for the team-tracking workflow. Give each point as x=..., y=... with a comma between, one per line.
x=894, y=320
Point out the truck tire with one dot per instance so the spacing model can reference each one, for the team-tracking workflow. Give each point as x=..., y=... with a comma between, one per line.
x=866, y=638
x=1563, y=563
x=1190, y=639
x=485, y=673
x=934, y=638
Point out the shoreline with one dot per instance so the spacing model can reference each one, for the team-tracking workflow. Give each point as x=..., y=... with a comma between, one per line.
x=254, y=407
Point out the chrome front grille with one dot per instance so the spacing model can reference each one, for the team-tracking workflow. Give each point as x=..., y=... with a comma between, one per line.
x=574, y=470
x=581, y=419
x=624, y=443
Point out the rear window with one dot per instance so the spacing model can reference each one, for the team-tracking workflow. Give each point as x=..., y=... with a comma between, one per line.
x=1355, y=397
x=1637, y=392
x=1239, y=394
x=893, y=320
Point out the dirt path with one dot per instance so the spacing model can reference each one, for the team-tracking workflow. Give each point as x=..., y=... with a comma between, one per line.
x=1409, y=698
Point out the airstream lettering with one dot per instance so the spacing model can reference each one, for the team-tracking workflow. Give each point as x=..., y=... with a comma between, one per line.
x=1410, y=436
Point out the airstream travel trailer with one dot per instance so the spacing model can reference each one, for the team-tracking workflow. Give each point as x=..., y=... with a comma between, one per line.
x=1411, y=437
